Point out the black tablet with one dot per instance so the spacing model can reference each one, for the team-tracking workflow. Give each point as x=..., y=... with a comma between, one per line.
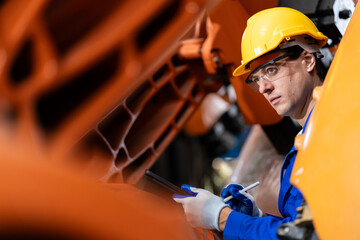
x=166, y=184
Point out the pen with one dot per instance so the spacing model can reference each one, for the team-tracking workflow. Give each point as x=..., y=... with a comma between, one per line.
x=251, y=186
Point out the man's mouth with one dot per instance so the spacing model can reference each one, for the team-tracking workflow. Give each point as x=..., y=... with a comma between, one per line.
x=274, y=100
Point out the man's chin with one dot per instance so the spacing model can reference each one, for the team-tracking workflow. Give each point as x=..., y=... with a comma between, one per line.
x=281, y=111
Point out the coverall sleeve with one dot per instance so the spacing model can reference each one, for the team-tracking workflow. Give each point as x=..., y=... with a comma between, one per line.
x=241, y=226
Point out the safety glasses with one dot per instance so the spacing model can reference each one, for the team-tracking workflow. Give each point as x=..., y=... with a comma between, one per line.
x=269, y=71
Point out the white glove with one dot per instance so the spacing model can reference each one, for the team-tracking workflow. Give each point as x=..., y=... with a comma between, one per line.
x=203, y=210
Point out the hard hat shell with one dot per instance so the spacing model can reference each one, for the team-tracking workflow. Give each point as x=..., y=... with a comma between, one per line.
x=266, y=29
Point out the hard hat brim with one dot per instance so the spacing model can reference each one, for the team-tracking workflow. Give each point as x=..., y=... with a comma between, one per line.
x=240, y=70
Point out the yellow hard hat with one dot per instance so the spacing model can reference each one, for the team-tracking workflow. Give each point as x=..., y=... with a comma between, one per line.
x=266, y=29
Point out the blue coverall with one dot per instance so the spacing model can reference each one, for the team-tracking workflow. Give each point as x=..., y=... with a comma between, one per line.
x=241, y=226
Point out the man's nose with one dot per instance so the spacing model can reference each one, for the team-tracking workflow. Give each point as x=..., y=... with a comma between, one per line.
x=264, y=85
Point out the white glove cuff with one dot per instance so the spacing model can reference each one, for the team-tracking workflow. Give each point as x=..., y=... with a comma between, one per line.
x=214, y=205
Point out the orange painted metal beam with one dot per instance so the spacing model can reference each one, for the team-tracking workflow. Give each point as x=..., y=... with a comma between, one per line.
x=40, y=199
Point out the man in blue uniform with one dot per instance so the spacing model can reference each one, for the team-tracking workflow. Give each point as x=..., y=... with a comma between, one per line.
x=280, y=59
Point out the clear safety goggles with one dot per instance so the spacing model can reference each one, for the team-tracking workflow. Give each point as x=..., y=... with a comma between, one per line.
x=269, y=71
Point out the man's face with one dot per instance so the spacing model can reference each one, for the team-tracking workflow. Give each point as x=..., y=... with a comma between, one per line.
x=290, y=91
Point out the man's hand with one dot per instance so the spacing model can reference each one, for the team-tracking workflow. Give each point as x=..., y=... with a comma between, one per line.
x=202, y=210
x=242, y=202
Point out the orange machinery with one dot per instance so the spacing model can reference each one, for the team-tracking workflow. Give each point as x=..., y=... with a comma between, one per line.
x=90, y=96
x=327, y=166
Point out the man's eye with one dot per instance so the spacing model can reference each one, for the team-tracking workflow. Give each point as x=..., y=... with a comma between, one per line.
x=255, y=79
x=271, y=70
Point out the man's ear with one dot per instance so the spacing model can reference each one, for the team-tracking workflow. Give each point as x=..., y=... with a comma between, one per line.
x=309, y=60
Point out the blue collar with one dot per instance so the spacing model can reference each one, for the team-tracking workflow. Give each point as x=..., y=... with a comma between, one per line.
x=302, y=131
x=306, y=122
